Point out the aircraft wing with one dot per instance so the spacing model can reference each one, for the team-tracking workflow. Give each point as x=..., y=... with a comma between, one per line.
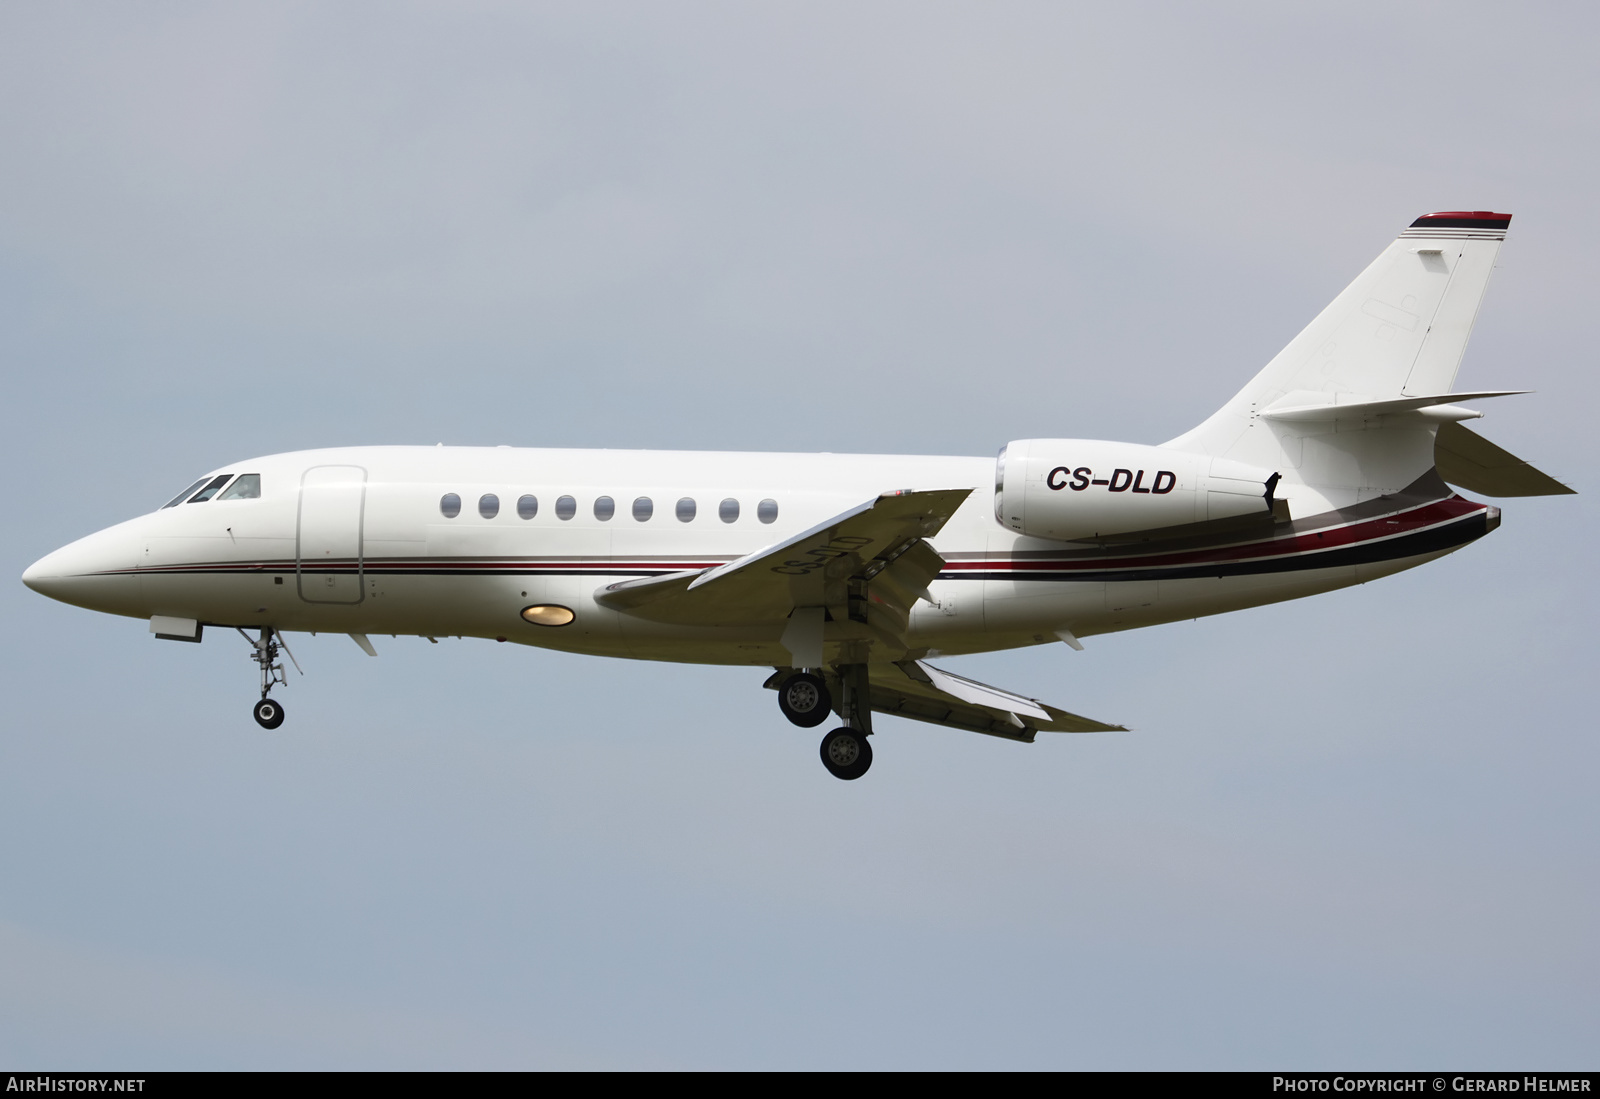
x=922, y=692
x=868, y=564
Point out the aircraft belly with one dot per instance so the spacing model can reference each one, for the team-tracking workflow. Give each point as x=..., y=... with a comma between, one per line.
x=1017, y=613
x=1197, y=597
x=707, y=650
x=117, y=594
x=472, y=606
x=1031, y=605
x=1020, y=613
x=1379, y=569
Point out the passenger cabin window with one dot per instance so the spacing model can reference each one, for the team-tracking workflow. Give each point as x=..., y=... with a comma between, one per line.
x=184, y=495
x=604, y=508
x=211, y=489
x=247, y=487
x=767, y=511
x=643, y=508
x=728, y=510
x=449, y=505
x=566, y=507
x=685, y=510
x=488, y=505
x=527, y=507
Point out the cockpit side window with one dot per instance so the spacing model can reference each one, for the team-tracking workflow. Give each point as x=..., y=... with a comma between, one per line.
x=184, y=495
x=211, y=489
x=247, y=487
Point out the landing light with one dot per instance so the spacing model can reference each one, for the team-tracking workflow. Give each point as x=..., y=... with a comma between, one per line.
x=548, y=614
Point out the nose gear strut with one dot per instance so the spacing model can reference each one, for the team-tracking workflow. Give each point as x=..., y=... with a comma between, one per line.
x=264, y=651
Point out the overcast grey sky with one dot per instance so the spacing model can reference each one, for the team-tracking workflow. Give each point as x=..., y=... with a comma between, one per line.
x=1358, y=830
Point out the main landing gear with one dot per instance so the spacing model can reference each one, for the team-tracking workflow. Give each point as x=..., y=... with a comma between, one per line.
x=846, y=753
x=264, y=651
x=805, y=699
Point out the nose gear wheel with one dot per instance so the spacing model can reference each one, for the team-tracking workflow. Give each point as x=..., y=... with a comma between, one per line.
x=268, y=713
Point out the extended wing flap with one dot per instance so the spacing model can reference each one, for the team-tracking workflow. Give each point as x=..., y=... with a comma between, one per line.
x=882, y=538
x=1468, y=460
x=918, y=690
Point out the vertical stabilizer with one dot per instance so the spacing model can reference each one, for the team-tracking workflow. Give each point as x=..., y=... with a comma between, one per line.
x=1398, y=331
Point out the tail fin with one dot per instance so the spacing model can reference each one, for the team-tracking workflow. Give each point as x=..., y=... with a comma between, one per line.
x=1395, y=334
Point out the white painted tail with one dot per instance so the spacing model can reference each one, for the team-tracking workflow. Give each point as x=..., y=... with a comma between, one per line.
x=1351, y=406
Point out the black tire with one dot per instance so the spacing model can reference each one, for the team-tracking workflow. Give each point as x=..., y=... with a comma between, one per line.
x=269, y=713
x=804, y=699
x=846, y=754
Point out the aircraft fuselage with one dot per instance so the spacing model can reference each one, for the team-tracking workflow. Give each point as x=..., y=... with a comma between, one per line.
x=361, y=540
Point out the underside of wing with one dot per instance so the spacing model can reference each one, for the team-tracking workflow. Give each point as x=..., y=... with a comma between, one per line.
x=922, y=692
x=874, y=554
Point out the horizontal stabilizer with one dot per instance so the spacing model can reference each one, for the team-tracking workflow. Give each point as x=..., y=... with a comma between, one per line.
x=1334, y=407
x=1468, y=460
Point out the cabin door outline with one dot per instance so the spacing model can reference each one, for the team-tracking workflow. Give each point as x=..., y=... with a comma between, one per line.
x=329, y=567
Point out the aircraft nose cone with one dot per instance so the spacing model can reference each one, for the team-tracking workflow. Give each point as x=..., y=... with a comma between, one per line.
x=91, y=572
x=35, y=573
x=45, y=575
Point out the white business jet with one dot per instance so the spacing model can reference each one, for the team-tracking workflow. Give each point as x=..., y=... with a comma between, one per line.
x=845, y=573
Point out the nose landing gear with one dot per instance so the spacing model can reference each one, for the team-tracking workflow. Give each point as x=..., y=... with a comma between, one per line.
x=264, y=651
x=268, y=714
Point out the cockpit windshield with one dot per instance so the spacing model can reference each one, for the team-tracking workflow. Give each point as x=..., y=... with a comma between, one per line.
x=247, y=487
x=184, y=495
x=211, y=488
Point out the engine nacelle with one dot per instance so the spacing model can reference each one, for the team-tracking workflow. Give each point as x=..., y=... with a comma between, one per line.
x=1075, y=490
